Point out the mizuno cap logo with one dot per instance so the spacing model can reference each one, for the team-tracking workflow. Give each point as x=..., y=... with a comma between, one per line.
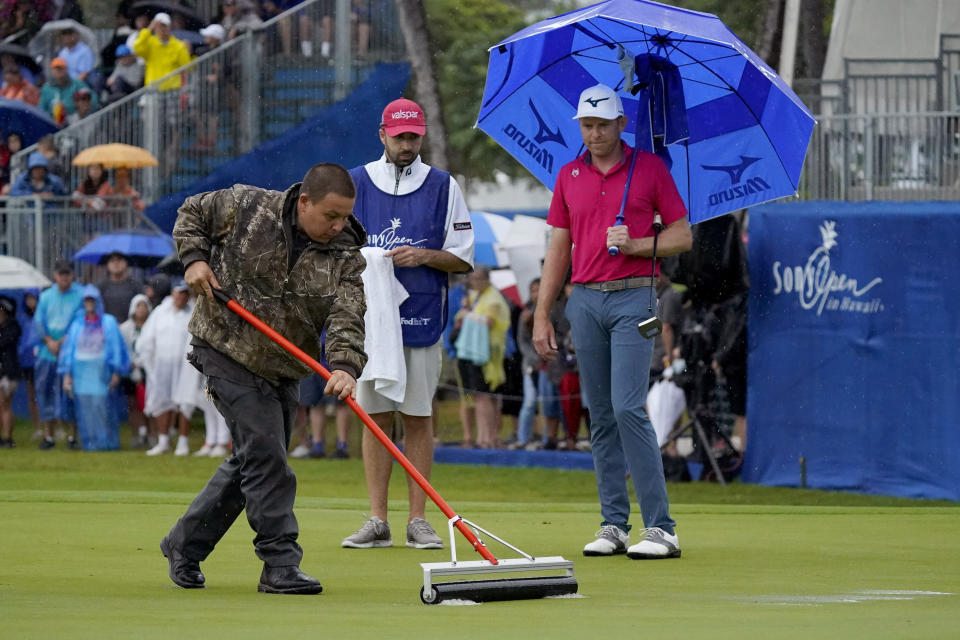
x=595, y=101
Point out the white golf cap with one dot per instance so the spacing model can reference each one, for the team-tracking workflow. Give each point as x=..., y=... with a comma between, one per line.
x=599, y=101
x=163, y=18
x=213, y=31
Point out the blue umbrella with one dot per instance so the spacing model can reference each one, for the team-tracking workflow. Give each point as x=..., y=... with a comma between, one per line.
x=489, y=231
x=31, y=123
x=143, y=248
x=732, y=132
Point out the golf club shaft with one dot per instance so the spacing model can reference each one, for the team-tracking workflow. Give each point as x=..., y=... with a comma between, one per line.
x=657, y=224
x=412, y=471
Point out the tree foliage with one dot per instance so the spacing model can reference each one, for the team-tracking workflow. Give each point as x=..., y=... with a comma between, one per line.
x=461, y=31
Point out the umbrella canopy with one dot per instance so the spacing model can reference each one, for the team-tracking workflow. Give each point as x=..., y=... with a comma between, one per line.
x=19, y=274
x=526, y=246
x=193, y=38
x=20, y=55
x=191, y=19
x=30, y=122
x=115, y=154
x=143, y=248
x=171, y=265
x=45, y=45
x=506, y=282
x=732, y=132
x=489, y=231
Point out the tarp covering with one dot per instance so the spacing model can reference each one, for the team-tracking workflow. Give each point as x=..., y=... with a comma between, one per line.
x=345, y=133
x=853, y=347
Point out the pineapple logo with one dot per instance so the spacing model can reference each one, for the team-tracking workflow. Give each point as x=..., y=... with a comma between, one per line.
x=828, y=234
x=392, y=237
x=820, y=287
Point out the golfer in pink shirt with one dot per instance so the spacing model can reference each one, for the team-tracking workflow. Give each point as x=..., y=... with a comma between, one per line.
x=609, y=300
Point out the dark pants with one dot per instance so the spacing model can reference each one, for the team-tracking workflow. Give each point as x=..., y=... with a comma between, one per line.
x=256, y=477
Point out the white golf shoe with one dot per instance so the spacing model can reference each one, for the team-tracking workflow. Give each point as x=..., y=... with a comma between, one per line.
x=611, y=540
x=655, y=544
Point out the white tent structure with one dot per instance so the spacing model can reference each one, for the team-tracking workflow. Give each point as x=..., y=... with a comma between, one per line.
x=884, y=56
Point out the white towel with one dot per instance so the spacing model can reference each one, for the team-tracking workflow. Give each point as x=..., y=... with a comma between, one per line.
x=384, y=337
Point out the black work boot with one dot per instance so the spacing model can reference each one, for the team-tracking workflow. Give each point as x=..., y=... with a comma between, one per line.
x=288, y=580
x=183, y=571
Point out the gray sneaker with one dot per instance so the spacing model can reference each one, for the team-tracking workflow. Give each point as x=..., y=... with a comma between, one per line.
x=420, y=535
x=374, y=533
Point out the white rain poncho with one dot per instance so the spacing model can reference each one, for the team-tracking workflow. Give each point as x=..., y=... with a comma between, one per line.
x=190, y=393
x=160, y=351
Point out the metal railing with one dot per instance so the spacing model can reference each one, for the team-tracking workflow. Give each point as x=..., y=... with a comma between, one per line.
x=43, y=230
x=914, y=156
x=249, y=89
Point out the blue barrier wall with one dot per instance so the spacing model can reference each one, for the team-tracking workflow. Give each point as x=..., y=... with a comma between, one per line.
x=854, y=334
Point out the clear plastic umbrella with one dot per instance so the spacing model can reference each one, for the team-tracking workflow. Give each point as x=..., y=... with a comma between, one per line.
x=45, y=45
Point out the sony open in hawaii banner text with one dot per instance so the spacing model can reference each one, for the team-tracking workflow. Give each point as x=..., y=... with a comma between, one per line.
x=854, y=345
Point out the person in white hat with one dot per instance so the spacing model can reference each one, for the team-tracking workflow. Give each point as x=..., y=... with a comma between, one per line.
x=609, y=300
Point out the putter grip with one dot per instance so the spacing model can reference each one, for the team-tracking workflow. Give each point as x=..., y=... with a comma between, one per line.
x=614, y=251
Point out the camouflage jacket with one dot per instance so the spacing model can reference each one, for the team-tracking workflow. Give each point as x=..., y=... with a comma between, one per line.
x=241, y=233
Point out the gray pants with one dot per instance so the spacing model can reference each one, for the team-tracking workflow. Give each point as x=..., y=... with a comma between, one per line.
x=256, y=477
x=614, y=364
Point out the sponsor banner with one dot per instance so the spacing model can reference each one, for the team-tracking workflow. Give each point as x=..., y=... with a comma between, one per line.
x=853, y=347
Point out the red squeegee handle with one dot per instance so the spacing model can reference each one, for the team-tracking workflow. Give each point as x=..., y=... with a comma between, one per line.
x=298, y=353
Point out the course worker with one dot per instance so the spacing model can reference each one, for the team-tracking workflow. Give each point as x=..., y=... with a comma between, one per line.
x=293, y=259
x=608, y=301
x=417, y=213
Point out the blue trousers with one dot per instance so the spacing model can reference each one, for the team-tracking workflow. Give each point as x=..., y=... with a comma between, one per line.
x=614, y=362
x=52, y=401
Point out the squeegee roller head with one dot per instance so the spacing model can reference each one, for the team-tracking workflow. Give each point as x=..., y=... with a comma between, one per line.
x=497, y=590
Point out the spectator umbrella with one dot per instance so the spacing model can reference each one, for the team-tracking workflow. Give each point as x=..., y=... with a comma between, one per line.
x=30, y=122
x=489, y=231
x=731, y=130
x=114, y=155
x=20, y=55
x=45, y=45
x=20, y=274
x=191, y=19
x=142, y=247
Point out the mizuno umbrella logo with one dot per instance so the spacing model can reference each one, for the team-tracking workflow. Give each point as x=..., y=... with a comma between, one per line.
x=534, y=147
x=736, y=191
x=595, y=101
x=545, y=134
x=735, y=171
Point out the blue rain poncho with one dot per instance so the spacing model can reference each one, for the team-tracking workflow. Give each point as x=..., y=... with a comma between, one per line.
x=93, y=351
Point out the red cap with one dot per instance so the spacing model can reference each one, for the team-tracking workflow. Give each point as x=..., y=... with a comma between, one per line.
x=58, y=62
x=403, y=116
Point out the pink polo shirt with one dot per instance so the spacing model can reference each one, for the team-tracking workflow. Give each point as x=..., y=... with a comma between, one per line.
x=587, y=202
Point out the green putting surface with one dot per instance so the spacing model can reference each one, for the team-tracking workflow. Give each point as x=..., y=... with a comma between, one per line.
x=79, y=558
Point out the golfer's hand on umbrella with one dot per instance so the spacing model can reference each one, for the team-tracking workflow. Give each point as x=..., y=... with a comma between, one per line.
x=544, y=338
x=619, y=236
x=201, y=279
x=341, y=384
